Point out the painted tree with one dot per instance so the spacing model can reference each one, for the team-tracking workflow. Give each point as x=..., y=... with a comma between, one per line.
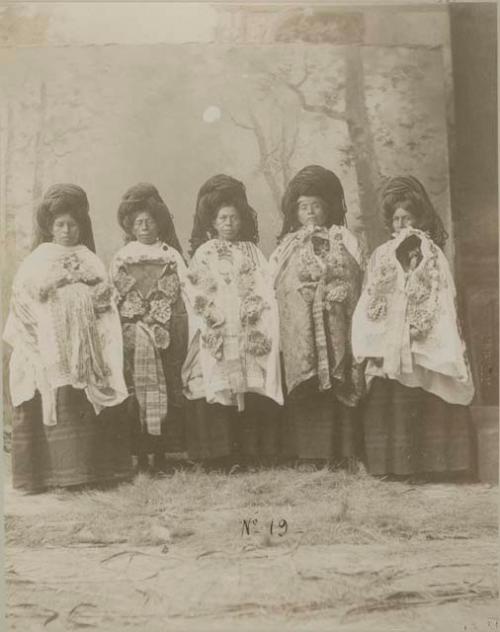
x=407, y=100
x=38, y=169
x=275, y=134
x=346, y=30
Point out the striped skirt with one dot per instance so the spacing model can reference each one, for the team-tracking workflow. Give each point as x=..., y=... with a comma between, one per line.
x=409, y=431
x=82, y=448
x=318, y=426
x=215, y=432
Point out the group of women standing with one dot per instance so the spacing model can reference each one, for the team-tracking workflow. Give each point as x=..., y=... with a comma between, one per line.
x=311, y=356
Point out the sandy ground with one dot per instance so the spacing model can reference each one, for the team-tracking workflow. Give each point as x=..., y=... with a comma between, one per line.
x=446, y=584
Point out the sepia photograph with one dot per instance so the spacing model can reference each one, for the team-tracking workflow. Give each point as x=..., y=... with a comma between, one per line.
x=250, y=335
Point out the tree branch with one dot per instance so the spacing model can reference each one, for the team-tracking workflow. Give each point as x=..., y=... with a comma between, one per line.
x=293, y=144
x=315, y=109
x=242, y=125
x=266, y=170
x=264, y=154
x=287, y=151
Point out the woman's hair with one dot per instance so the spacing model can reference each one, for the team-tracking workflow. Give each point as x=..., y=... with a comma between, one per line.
x=317, y=181
x=64, y=199
x=407, y=192
x=144, y=197
x=218, y=191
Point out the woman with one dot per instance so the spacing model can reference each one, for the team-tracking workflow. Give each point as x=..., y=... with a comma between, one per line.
x=66, y=373
x=231, y=375
x=317, y=276
x=147, y=274
x=405, y=325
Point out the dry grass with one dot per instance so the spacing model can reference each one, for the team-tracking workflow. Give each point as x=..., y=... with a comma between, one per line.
x=207, y=511
x=171, y=552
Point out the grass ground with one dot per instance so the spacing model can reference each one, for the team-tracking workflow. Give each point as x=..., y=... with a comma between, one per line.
x=356, y=552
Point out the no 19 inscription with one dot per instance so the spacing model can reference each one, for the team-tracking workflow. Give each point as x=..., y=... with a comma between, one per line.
x=251, y=525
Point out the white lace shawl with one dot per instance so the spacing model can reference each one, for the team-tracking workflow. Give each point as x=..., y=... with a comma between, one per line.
x=406, y=324
x=237, y=293
x=64, y=329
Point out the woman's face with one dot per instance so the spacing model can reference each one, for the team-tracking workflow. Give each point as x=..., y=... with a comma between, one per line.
x=311, y=211
x=227, y=223
x=145, y=229
x=403, y=219
x=65, y=230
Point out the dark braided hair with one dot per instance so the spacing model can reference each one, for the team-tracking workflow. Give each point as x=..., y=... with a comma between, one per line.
x=144, y=197
x=407, y=192
x=317, y=181
x=219, y=191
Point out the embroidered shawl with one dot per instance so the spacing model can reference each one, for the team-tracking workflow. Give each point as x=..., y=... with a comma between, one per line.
x=146, y=317
x=64, y=329
x=234, y=327
x=406, y=321
x=317, y=276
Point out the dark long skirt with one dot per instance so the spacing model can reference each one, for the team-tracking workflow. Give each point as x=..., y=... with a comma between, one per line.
x=81, y=448
x=216, y=433
x=171, y=439
x=408, y=431
x=257, y=430
x=320, y=427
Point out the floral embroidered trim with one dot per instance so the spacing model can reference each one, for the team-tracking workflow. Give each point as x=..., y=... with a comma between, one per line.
x=161, y=337
x=155, y=310
x=423, y=297
x=102, y=294
x=169, y=284
x=246, y=280
x=257, y=343
x=336, y=294
x=322, y=257
x=160, y=310
x=377, y=308
x=252, y=307
x=422, y=290
x=132, y=306
x=213, y=341
x=157, y=259
x=199, y=277
x=204, y=306
x=70, y=269
x=307, y=291
x=251, y=304
x=123, y=282
x=382, y=283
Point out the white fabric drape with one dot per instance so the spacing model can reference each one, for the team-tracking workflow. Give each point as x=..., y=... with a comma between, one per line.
x=64, y=329
x=382, y=329
x=223, y=372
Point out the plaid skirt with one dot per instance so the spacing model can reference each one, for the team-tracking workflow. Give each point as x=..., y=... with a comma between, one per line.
x=409, y=431
x=82, y=448
x=173, y=425
x=318, y=426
